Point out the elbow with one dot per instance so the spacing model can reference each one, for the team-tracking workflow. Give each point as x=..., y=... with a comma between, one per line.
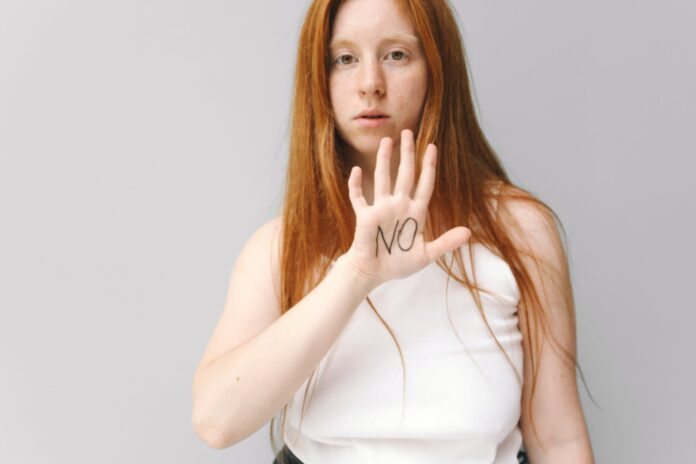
x=212, y=438
x=207, y=424
x=211, y=434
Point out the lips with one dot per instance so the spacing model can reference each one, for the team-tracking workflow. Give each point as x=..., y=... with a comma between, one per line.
x=369, y=123
x=372, y=113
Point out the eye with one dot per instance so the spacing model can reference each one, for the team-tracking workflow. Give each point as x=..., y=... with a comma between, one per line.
x=340, y=59
x=398, y=55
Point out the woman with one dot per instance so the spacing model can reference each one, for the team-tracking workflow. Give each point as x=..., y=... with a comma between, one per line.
x=341, y=314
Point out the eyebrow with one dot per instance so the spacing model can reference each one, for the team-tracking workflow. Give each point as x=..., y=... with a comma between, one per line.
x=338, y=41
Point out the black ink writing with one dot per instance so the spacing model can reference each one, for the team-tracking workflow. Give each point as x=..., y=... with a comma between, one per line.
x=396, y=235
x=380, y=232
x=413, y=238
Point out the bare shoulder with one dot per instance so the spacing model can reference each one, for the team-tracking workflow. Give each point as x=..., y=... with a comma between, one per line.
x=259, y=258
x=265, y=243
x=252, y=301
x=500, y=193
x=530, y=221
x=269, y=229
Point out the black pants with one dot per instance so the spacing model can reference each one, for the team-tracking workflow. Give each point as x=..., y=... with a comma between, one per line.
x=292, y=459
x=289, y=457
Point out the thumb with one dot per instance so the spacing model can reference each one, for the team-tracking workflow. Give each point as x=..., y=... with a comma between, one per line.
x=450, y=240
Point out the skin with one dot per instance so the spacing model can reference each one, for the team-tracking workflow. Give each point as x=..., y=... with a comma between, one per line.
x=369, y=70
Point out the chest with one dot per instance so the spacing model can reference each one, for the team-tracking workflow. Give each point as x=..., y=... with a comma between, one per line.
x=454, y=380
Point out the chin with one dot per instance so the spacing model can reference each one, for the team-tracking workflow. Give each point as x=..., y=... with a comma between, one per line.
x=365, y=143
x=369, y=140
x=367, y=146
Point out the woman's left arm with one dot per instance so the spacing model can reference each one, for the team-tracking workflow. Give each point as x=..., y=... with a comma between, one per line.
x=558, y=415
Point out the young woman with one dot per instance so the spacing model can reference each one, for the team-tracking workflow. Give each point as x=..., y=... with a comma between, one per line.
x=409, y=305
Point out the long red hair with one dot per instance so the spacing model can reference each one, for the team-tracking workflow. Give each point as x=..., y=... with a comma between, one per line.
x=316, y=194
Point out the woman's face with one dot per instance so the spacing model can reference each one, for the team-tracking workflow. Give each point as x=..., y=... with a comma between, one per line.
x=376, y=64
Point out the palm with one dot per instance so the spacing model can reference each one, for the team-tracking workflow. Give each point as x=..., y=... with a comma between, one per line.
x=389, y=241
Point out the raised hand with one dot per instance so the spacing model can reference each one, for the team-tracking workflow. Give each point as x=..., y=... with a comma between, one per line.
x=389, y=241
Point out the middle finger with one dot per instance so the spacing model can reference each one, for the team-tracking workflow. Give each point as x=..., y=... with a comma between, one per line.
x=382, y=176
x=404, y=178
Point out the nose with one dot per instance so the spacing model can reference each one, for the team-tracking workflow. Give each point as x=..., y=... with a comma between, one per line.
x=371, y=79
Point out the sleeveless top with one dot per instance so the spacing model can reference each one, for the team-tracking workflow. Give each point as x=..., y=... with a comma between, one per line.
x=462, y=399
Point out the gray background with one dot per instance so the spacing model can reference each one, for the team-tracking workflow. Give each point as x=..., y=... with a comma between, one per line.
x=142, y=142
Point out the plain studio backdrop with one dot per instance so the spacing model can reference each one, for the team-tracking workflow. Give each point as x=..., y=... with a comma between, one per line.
x=142, y=142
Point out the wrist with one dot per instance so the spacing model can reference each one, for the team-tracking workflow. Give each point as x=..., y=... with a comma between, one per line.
x=363, y=281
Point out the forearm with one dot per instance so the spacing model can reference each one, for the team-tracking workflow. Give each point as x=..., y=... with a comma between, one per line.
x=244, y=388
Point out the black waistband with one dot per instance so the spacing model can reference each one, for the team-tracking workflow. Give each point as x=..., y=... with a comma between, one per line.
x=292, y=459
x=289, y=457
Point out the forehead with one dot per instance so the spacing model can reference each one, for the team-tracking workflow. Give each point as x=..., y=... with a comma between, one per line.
x=371, y=20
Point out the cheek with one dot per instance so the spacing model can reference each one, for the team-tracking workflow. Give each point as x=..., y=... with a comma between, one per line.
x=422, y=86
x=337, y=95
x=412, y=94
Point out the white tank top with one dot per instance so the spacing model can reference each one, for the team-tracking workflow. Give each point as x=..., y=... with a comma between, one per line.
x=462, y=398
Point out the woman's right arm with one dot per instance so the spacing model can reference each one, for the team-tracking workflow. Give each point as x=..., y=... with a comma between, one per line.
x=257, y=359
x=237, y=392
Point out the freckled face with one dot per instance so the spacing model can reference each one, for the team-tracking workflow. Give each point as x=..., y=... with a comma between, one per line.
x=376, y=63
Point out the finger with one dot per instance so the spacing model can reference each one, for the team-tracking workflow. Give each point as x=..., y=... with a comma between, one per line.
x=382, y=177
x=426, y=182
x=450, y=240
x=355, y=191
x=404, y=178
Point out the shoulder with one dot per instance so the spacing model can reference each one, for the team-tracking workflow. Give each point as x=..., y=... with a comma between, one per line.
x=531, y=223
x=270, y=230
x=267, y=236
x=261, y=252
